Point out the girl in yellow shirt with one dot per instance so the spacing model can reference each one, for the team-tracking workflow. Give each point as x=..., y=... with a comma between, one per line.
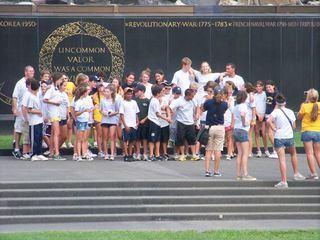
x=309, y=113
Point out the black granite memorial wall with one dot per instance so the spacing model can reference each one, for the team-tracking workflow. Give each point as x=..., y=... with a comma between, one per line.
x=282, y=48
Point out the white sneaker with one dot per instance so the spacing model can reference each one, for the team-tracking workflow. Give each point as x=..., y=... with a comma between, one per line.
x=281, y=185
x=93, y=155
x=70, y=145
x=248, y=178
x=87, y=158
x=95, y=144
x=44, y=145
x=42, y=158
x=273, y=155
x=313, y=177
x=111, y=158
x=35, y=158
x=25, y=156
x=299, y=177
x=75, y=157
x=46, y=153
x=64, y=145
x=101, y=154
x=176, y=157
x=228, y=158
x=267, y=153
x=259, y=154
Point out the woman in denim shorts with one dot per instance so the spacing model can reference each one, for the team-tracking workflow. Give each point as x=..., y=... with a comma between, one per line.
x=240, y=135
x=282, y=122
x=310, y=115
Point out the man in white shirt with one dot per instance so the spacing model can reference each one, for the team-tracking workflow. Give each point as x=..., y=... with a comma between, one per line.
x=230, y=75
x=20, y=123
x=184, y=76
x=186, y=109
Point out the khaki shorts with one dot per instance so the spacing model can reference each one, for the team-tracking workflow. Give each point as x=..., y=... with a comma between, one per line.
x=18, y=125
x=216, y=138
x=25, y=133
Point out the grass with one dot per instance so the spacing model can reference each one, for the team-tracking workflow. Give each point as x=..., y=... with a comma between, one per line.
x=166, y=235
x=6, y=141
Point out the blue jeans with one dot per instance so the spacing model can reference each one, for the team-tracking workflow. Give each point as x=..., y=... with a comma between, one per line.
x=81, y=126
x=285, y=142
x=310, y=136
x=240, y=135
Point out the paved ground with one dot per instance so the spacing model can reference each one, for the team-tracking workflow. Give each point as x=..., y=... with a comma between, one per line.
x=17, y=170
x=100, y=170
x=167, y=225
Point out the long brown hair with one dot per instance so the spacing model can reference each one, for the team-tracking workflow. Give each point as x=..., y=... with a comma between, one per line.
x=241, y=97
x=55, y=77
x=113, y=91
x=80, y=91
x=312, y=97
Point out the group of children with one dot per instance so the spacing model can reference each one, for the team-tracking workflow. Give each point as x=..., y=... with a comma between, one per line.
x=140, y=114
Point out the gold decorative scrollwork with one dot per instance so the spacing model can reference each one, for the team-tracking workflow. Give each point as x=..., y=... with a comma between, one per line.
x=88, y=29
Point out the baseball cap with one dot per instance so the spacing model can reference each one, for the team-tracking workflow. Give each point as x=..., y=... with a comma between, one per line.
x=126, y=90
x=140, y=87
x=217, y=90
x=94, y=78
x=176, y=90
x=167, y=84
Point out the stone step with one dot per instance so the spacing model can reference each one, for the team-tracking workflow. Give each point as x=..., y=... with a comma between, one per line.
x=156, y=217
x=158, y=208
x=69, y=192
x=208, y=182
x=188, y=199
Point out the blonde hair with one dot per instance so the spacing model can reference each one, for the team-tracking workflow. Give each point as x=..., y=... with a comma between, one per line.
x=145, y=72
x=193, y=85
x=185, y=61
x=80, y=78
x=210, y=71
x=312, y=97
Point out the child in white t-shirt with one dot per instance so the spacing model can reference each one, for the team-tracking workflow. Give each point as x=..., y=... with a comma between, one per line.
x=260, y=99
x=154, y=116
x=228, y=121
x=282, y=122
x=130, y=120
x=251, y=114
x=35, y=122
x=53, y=100
x=109, y=108
x=63, y=110
x=176, y=94
x=82, y=114
x=240, y=135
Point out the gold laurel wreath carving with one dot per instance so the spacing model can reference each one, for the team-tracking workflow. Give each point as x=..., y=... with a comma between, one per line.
x=88, y=29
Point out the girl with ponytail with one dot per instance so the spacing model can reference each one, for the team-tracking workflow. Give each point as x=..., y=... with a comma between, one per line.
x=309, y=114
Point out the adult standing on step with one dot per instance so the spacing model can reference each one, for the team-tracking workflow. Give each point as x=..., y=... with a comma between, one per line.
x=215, y=108
x=309, y=113
x=282, y=122
x=20, y=124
